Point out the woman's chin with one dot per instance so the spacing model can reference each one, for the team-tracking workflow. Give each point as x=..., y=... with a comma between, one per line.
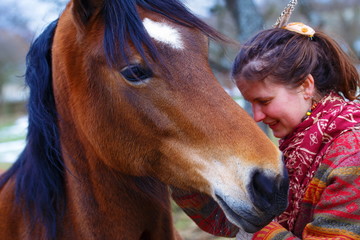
x=279, y=134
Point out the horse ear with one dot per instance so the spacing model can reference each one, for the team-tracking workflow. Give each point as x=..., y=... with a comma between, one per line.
x=83, y=10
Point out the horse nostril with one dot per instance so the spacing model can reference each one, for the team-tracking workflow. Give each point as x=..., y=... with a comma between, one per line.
x=262, y=190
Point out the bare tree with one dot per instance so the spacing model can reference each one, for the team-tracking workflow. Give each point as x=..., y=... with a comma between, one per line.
x=246, y=17
x=248, y=21
x=338, y=18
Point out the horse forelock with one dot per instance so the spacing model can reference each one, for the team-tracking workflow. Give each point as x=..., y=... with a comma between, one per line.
x=39, y=168
x=123, y=23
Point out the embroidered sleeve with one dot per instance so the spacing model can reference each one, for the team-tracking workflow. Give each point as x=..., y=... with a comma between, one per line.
x=205, y=212
x=273, y=231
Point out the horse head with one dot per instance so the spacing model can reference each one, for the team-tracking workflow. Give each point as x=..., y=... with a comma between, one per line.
x=133, y=79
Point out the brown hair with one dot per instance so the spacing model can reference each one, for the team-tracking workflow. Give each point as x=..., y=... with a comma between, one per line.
x=289, y=57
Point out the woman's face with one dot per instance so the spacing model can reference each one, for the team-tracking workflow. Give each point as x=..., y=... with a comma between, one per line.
x=280, y=107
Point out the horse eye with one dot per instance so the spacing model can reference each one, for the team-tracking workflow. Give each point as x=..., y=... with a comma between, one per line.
x=136, y=74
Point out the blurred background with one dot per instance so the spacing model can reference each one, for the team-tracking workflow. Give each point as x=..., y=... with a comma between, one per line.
x=22, y=20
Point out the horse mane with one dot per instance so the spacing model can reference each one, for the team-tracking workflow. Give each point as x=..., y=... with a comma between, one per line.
x=122, y=22
x=39, y=168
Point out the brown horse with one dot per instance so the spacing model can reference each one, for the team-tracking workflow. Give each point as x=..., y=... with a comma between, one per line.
x=123, y=104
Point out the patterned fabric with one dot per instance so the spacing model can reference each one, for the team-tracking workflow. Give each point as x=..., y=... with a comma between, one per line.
x=330, y=208
x=305, y=147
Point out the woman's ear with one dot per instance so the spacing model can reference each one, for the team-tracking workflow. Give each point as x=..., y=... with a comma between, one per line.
x=308, y=86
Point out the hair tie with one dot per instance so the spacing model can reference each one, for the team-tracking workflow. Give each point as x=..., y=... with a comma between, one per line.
x=300, y=28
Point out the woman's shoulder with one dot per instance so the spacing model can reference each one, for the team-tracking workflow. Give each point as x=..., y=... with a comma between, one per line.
x=345, y=149
x=342, y=159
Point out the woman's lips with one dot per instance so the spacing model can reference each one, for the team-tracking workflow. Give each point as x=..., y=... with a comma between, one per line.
x=272, y=124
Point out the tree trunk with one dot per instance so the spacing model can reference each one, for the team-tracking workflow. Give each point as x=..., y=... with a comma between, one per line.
x=248, y=21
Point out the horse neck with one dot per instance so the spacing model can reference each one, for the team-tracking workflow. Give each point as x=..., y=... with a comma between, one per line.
x=103, y=197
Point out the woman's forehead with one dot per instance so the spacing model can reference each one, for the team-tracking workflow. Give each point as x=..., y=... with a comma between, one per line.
x=252, y=90
x=246, y=84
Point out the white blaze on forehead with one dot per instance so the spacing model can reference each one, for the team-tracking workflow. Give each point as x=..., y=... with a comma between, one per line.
x=164, y=33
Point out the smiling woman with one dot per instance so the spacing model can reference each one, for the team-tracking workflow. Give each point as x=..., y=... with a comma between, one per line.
x=266, y=97
x=306, y=88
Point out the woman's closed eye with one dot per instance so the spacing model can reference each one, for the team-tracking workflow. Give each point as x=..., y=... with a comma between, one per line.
x=263, y=101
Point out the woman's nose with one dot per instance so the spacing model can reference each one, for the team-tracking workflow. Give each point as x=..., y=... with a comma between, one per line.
x=258, y=113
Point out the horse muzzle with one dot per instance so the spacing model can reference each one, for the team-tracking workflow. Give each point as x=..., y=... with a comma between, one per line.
x=269, y=198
